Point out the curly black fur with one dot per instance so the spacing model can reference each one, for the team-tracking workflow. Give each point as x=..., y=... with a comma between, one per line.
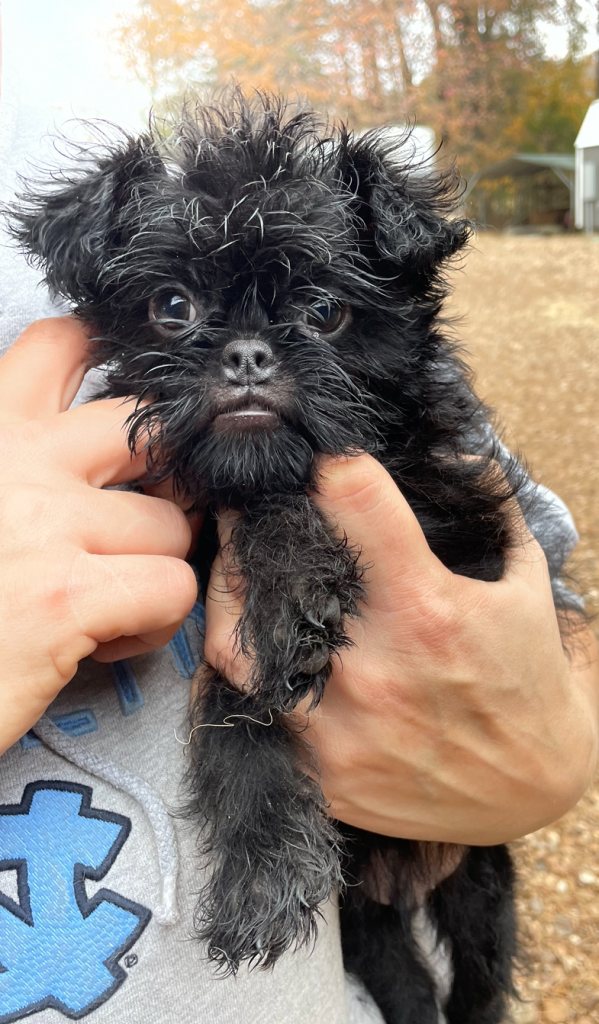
x=274, y=852
x=300, y=582
x=272, y=226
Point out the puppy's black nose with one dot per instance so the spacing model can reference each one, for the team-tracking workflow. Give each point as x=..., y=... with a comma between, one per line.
x=247, y=362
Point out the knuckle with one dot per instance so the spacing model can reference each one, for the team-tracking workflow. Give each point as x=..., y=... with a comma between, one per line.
x=439, y=617
x=157, y=525
x=24, y=512
x=49, y=594
x=63, y=586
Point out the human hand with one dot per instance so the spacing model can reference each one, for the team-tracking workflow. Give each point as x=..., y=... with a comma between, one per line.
x=456, y=716
x=83, y=571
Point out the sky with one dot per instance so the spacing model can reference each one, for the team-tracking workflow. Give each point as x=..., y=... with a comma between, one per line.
x=65, y=58
x=555, y=40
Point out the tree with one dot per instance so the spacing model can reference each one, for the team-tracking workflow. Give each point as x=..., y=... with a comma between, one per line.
x=471, y=70
x=489, y=82
x=350, y=49
x=552, y=106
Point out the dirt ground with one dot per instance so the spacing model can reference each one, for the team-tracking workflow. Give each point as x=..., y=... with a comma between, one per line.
x=531, y=327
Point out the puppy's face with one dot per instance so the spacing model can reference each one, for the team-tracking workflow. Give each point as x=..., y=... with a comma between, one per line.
x=233, y=311
x=259, y=286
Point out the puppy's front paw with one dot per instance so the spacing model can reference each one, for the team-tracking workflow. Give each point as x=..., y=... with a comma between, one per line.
x=318, y=627
x=265, y=894
x=307, y=638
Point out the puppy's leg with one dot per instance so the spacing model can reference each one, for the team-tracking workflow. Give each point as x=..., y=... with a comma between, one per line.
x=272, y=851
x=387, y=880
x=472, y=913
x=474, y=909
x=463, y=897
x=300, y=583
x=379, y=947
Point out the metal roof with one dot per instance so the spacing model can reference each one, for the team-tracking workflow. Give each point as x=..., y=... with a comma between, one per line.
x=522, y=165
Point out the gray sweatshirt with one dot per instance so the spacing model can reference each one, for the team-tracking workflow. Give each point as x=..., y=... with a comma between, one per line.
x=98, y=869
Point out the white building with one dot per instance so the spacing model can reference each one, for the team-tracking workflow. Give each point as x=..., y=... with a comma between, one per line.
x=587, y=171
x=415, y=145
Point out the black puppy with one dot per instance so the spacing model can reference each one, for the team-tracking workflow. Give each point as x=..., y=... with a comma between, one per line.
x=272, y=288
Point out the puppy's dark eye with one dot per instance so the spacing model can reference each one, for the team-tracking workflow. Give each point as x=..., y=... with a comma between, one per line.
x=172, y=309
x=327, y=317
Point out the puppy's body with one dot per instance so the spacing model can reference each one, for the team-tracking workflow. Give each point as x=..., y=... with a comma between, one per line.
x=274, y=292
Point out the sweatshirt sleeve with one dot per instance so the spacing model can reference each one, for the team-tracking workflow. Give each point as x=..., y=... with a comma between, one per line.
x=551, y=524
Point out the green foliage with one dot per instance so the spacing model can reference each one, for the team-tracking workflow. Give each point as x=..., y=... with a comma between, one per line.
x=552, y=105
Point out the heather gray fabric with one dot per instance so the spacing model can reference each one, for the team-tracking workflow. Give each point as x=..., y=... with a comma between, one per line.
x=22, y=139
x=132, y=711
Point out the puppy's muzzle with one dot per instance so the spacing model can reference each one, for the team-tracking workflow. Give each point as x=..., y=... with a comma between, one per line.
x=247, y=372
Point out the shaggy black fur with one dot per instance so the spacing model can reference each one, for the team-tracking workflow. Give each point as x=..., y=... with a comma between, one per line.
x=273, y=288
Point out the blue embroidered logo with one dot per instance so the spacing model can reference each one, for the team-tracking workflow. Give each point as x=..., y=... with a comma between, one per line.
x=58, y=948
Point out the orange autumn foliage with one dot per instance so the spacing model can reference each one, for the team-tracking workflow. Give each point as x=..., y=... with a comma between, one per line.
x=474, y=71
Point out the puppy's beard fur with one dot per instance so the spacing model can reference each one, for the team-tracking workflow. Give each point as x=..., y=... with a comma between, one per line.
x=232, y=467
x=329, y=416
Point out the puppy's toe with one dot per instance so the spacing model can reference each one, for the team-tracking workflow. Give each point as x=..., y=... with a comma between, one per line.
x=328, y=615
x=314, y=660
x=331, y=613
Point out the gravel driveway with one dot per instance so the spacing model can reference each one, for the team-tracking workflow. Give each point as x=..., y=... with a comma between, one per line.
x=531, y=328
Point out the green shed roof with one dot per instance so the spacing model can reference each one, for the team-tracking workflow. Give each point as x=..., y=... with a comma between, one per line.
x=522, y=165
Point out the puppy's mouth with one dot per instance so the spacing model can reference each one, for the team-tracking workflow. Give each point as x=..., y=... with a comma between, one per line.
x=249, y=412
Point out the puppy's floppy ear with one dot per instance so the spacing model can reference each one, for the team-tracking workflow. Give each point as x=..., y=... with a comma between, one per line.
x=70, y=226
x=405, y=208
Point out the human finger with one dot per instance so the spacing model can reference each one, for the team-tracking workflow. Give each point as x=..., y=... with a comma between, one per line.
x=131, y=595
x=42, y=372
x=130, y=646
x=90, y=443
x=167, y=489
x=106, y=522
x=224, y=605
x=363, y=502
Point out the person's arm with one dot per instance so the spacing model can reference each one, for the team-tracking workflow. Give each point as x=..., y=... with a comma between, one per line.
x=456, y=716
x=82, y=570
